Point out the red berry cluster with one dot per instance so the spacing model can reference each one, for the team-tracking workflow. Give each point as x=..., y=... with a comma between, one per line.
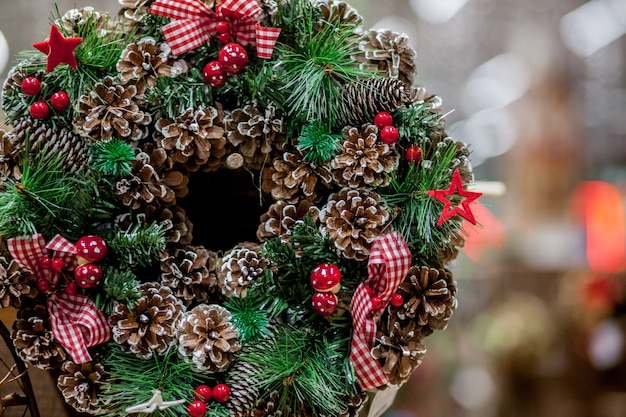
x=325, y=279
x=90, y=249
x=39, y=109
x=388, y=133
x=204, y=394
x=232, y=58
x=378, y=304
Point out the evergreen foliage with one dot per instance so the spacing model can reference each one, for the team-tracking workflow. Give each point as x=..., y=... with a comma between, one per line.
x=318, y=143
x=117, y=285
x=140, y=245
x=112, y=158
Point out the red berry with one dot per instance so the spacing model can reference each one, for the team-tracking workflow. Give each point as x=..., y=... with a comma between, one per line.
x=377, y=304
x=197, y=409
x=224, y=38
x=397, y=300
x=93, y=248
x=221, y=393
x=60, y=100
x=202, y=393
x=31, y=86
x=88, y=275
x=383, y=119
x=45, y=262
x=414, y=154
x=222, y=27
x=43, y=285
x=71, y=288
x=324, y=303
x=389, y=135
x=326, y=277
x=214, y=74
x=39, y=110
x=233, y=58
x=58, y=264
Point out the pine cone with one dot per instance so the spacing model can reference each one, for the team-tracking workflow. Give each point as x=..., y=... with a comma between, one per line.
x=17, y=74
x=80, y=385
x=388, y=52
x=354, y=405
x=207, y=338
x=173, y=220
x=353, y=219
x=9, y=167
x=281, y=217
x=33, y=339
x=111, y=110
x=146, y=61
x=133, y=11
x=148, y=326
x=364, y=160
x=195, y=138
x=73, y=19
x=240, y=267
x=338, y=13
x=173, y=176
x=364, y=99
x=15, y=283
x=190, y=273
x=399, y=351
x=255, y=132
x=266, y=407
x=293, y=178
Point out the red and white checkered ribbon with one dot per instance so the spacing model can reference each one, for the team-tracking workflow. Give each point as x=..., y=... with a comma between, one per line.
x=389, y=263
x=195, y=24
x=76, y=322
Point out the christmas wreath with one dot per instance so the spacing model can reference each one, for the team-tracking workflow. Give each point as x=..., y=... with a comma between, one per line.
x=130, y=131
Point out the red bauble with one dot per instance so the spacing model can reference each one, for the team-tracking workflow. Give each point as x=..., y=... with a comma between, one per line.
x=214, y=74
x=326, y=277
x=221, y=393
x=202, y=393
x=324, y=303
x=389, y=135
x=233, y=58
x=377, y=304
x=88, y=275
x=43, y=285
x=397, y=300
x=57, y=264
x=60, y=100
x=222, y=27
x=197, y=409
x=31, y=86
x=414, y=154
x=224, y=38
x=383, y=119
x=39, y=110
x=93, y=248
x=71, y=288
x=45, y=262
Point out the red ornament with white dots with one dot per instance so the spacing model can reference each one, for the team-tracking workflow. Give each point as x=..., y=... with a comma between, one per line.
x=383, y=119
x=414, y=154
x=196, y=409
x=233, y=58
x=88, y=275
x=324, y=303
x=389, y=135
x=39, y=110
x=221, y=393
x=31, y=86
x=214, y=75
x=92, y=248
x=326, y=277
x=60, y=101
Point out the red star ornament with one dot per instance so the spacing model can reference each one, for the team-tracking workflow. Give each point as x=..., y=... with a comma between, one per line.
x=59, y=49
x=462, y=209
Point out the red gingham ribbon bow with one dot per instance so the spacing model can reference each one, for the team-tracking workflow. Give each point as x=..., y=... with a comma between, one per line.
x=76, y=322
x=389, y=263
x=195, y=23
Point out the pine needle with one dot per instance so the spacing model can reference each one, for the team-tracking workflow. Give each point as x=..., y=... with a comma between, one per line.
x=318, y=143
x=112, y=157
x=117, y=285
x=140, y=245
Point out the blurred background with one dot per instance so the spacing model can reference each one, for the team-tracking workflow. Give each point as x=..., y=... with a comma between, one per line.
x=538, y=90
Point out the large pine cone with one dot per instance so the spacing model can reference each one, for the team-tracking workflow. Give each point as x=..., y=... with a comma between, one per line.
x=73, y=21
x=241, y=266
x=255, y=132
x=195, y=139
x=354, y=219
x=281, y=218
x=388, y=52
x=364, y=160
x=207, y=338
x=148, y=326
x=80, y=385
x=338, y=13
x=8, y=165
x=190, y=273
x=14, y=283
x=33, y=339
x=173, y=220
x=112, y=110
x=399, y=350
x=146, y=60
x=133, y=11
x=292, y=179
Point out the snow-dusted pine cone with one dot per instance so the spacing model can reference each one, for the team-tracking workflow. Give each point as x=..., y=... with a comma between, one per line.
x=399, y=350
x=255, y=131
x=14, y=283
x=81, y=384
x=354, y=405
x=33, y=339
x=338, y=13
x=111, y=110
x=354, y=219
x=146, y=60
x=149, y=325
x=207, y=338
x=241, y=266
x=17, y=74
x=281, y=217
x=388, y=52
x=292, y=178
x=190, y=273
x=173, y=220
x=195, y=139
x=364, y=160
x=133, y=11
x=73, y=20
x=8, y=165
x=267, y=408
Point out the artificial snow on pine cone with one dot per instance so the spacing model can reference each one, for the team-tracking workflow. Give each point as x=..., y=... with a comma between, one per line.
x=282, y=217
x=81, y=384
x=389, y=52
x=33, y=339
x=339, y=13
x=207, y=338
x=240, y=267
x=15, y=283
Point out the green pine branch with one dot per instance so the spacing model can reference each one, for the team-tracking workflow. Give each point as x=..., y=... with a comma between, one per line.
x=318, y=143
x=112, y=158
x=117, y=285
x=140, y=245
